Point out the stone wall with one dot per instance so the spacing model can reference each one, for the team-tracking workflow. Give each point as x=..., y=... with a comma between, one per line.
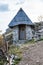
x=15, y=34
x=41, y=34
x=29, y=34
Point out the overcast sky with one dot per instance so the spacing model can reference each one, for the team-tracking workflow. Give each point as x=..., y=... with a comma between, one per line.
x=9, y=8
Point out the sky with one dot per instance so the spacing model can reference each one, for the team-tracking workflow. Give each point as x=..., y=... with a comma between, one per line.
x=9, y=8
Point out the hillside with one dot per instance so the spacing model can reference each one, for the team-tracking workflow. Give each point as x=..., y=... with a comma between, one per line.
x=32, y=54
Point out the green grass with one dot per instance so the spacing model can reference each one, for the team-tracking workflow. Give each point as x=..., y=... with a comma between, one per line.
x=16, y=61
x=41, y=39
x=30, y=41
x=16, y=51
x=1, y=62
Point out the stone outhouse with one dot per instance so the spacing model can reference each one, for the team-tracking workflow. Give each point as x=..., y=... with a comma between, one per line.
x=22, y=26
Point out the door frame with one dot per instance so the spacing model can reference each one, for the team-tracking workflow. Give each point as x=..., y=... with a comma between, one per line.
x=24, y=30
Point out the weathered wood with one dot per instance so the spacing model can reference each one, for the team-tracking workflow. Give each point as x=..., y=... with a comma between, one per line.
x=22, y=32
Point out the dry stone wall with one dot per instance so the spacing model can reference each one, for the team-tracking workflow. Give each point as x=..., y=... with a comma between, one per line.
x=15, y=34
x=29, y=34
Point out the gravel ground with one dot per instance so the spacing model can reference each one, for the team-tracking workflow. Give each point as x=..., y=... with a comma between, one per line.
x=33, y=54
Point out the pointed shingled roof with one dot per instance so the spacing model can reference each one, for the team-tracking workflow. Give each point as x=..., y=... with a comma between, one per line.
x=20, y=18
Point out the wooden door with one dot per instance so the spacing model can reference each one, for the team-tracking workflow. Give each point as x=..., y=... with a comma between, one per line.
x=22, y=34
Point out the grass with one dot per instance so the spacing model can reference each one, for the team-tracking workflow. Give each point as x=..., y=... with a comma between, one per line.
x=16, y=51
x=41, y=39
x=30, y=41
x=25, y=46
x=16, y=61
x=1, y=62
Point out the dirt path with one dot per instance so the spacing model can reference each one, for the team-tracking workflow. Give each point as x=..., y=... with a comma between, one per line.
x=33, y=55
